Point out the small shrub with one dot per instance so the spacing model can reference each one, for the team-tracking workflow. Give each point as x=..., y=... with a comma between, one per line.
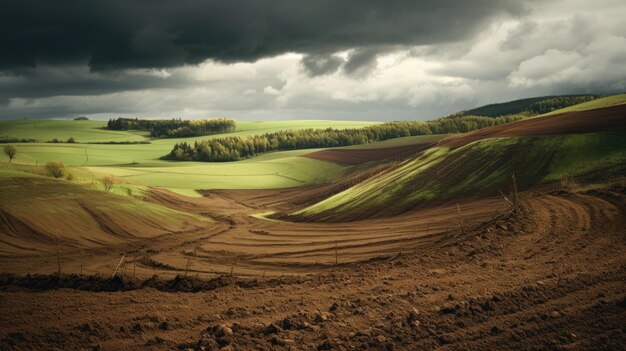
x=54, y=141
x=569, y=184
x=108, y=182
x=81, y=118
x=55, y=169
x=70, y=176
x=71, y=140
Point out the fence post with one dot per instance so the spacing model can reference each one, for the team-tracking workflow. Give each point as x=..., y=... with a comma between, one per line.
x=58, y=257
x=118, y=266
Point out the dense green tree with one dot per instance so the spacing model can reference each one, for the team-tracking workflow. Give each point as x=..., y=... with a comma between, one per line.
x=174, y=128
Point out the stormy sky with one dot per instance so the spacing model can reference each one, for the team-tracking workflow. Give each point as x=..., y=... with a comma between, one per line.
x=296, y=59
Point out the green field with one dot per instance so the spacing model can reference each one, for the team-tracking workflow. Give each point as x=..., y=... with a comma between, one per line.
x=278, y=170
x=141, y=164
x=94, y=131
x=82, y=131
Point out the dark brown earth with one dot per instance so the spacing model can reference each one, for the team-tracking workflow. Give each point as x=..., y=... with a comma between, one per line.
x=551, y=277
x=358, y=156
x=602, y=120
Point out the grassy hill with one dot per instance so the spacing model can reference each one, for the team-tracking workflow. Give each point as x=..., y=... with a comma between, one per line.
x=468, y=166
x=480, y=168
x=38, y=211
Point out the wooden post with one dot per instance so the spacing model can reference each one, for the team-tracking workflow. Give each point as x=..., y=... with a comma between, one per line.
x=27, y=268
x=232, y=269
x=460, y=218
x=58, y=257
x=187, y=266
x=515, y=194
x=82, y=256
x=118, y=266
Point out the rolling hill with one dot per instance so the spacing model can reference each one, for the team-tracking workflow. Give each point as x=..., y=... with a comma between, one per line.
x=588, y=145
x=37, y=213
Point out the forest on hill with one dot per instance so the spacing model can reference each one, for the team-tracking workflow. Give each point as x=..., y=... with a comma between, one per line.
x=174, y=128
x=531, y=106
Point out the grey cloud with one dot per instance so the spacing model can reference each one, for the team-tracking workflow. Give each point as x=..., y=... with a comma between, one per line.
x=517, y=35
x=318, y=65
x=361, y=61
x=118, y=34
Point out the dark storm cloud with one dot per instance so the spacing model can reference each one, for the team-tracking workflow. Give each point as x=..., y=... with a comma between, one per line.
x=317, y=65
x=362, y=61
x=119, y=34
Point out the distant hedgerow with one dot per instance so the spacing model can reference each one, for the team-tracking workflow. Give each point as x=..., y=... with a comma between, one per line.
x=175, y=128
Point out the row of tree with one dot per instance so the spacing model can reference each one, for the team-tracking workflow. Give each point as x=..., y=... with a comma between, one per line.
x=175, y=128
x=241, y=147
x=559, y=102
x=532, y=106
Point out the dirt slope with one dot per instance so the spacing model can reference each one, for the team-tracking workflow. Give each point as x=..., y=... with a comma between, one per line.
x=358, y=156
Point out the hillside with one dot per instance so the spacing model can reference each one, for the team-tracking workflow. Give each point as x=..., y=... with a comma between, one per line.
x=588, y=146
x=607, y=101
x=37, y=213
x=534, y=106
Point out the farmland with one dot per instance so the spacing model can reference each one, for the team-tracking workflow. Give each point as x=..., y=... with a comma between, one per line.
x=312, y=244
x=141, y=163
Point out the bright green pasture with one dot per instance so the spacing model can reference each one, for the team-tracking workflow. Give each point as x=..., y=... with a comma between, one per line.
x=268, y=171
x=81, y=131
x=109, y=154
x=140, y=164
x=94, y=131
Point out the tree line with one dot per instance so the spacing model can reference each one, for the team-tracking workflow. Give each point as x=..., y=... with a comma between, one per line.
x=174, y=128
x=241, y=147
x=532, y=106
x=559, y=102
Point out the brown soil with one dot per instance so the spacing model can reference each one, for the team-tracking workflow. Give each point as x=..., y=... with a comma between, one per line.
x=549, y=278
x=359, y=156
x=603, y=120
